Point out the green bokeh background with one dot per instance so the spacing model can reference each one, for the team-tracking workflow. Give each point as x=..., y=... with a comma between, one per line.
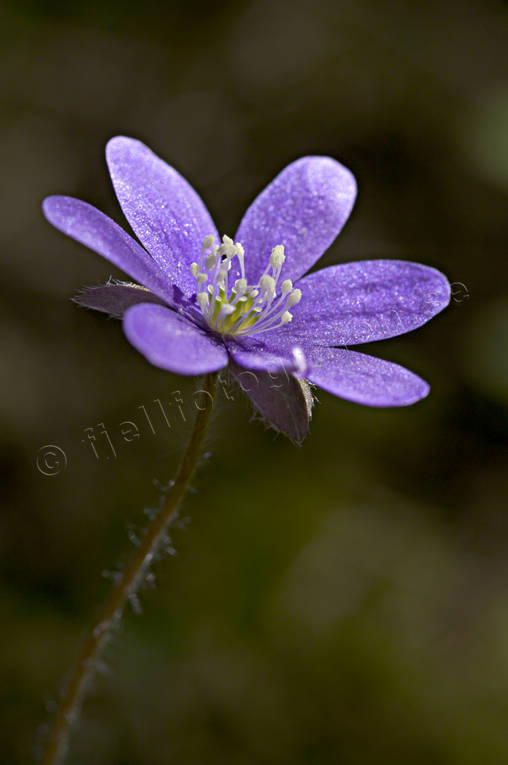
x=345, y=602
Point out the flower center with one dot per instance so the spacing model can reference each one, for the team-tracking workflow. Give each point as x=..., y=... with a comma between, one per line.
x=243, y=309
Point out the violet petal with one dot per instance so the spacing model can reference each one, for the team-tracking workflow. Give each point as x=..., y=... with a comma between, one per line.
x=303, y=208
x=92, y=228
x=363, y=379
x=163, y=209
x=284, y=401
x=170, y=341
x=251, y=353
x=365, y=301
x=115, y=297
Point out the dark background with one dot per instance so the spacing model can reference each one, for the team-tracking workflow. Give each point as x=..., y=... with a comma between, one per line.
x=345, y=602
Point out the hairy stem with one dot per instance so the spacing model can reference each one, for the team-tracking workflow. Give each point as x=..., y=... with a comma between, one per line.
x=127, y=584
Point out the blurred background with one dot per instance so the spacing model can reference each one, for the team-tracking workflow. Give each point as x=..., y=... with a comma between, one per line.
x=345, y=602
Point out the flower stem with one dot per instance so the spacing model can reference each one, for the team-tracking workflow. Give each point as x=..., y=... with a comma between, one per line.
x=127, y=584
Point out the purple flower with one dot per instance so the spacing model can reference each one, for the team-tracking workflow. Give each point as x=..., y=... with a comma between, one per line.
x=206, y=302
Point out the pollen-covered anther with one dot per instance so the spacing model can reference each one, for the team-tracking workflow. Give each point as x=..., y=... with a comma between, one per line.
x=211, y=261
x=240, y=286
x=294, y=298
x=208, y=241
x=243, y=309
x=203, y=301
x=267, y=284
x=277, y=257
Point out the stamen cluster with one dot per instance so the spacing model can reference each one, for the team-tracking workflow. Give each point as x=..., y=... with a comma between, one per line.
x=242, y=309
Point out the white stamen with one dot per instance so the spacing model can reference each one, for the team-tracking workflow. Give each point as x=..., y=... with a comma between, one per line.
x=240, y=286
x=227, y=247
x=277, y=257
x=244, y=309
x=202, y=299
x=267, y=284
x=294, y=298
x=210, y=261
x=207, y=243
